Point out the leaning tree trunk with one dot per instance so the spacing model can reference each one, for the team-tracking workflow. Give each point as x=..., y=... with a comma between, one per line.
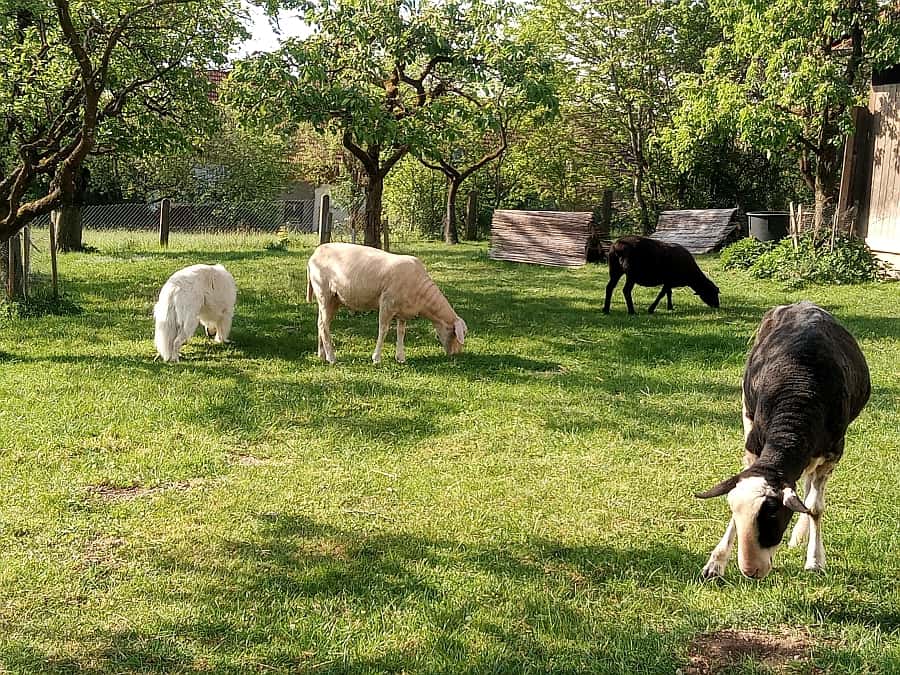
x=374, y=197
x=451, y=233
x=69, y=228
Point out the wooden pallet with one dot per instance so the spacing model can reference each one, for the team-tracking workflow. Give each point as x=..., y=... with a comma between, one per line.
x=541, y=237
x=699, y=230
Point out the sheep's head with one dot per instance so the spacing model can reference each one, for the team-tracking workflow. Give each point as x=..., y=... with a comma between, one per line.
x=451, y=334
x=709, y=293
x=761, y=513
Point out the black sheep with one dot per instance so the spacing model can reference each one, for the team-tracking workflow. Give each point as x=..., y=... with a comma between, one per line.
x=648, y=262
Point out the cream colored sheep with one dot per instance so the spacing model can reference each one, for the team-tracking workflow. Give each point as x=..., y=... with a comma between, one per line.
x=365, y=278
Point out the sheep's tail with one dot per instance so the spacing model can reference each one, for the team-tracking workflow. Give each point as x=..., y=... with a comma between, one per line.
x=167, y=328
x=309, y=291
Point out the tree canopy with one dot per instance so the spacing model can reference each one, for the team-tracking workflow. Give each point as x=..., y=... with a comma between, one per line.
x=375, y=72
x=784, y=80
x=100, y=76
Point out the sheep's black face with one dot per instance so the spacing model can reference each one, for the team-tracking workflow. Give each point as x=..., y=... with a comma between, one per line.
x=710, y=296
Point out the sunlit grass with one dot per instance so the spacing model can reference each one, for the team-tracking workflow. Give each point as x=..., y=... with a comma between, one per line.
x=524, y=507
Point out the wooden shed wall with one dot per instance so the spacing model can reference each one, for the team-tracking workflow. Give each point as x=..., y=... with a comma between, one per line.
x=877, y=172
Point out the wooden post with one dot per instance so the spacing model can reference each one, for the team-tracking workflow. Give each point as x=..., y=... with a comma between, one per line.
x=26, y=259
x=324, y=222
x=165, y=219
x=472, y=215
x=386, y=234
x=54, y=274
x=606, y=214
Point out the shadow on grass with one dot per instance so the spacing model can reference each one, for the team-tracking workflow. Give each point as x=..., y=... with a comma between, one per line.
x=268, y=604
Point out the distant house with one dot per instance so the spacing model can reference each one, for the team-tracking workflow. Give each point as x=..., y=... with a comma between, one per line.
x=871, y=175
x=216, y=77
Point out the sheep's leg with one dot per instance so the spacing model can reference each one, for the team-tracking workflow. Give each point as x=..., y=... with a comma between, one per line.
x=327, y=309
x=718, y=559
x=659, y=297
x=223, y=327
x=815, y=502
x=615, y=273
x=401, y=334
x=669, y=305
x=626, y=291
x=801, y=529
x=384, y=325
x=185, y=333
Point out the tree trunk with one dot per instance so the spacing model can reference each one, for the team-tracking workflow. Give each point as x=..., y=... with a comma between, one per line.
x=641, y=201
x=374, y=196
x=69, y=229
x=472, y=215
x=11, y=264
x=451, y=233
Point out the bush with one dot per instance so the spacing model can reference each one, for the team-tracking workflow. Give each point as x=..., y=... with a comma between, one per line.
x=850, y=262
x=742, y=254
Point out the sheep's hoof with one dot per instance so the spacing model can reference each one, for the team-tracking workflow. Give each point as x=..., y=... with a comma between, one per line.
x=713, y=570
x=815, y=566
x=376, y=358
x=605, y=310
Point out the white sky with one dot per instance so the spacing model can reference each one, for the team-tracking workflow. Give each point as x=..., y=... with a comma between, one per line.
x=263, y=37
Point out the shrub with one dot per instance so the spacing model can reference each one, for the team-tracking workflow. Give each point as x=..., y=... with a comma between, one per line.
x=849, y=262
x=742, y=254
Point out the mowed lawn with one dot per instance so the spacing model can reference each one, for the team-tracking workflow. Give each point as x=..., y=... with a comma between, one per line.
x=525, y=507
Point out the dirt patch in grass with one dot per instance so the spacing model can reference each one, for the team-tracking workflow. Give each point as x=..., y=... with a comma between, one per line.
x=101, y=550
x=724, y=650
x=115, y=493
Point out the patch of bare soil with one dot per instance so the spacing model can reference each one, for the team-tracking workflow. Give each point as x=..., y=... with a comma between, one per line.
x=718, y=652
x=113, y=493
x=101, y=550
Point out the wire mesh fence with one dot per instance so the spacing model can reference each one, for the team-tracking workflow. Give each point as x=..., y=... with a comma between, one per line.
x=207, y=218
x=202, y=226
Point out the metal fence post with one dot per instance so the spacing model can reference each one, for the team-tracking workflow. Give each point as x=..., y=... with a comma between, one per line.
x=54, y=270
x=164, y=222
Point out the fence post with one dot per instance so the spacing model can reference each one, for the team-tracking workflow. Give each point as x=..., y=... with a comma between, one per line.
x=26, y=259
x=164, y=222
x=54, y=273
x=386, y=234
x=324, y=223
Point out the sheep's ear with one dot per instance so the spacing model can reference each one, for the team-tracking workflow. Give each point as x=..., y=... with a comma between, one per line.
x=792, y=501
x=459, y=327
x=722, y=488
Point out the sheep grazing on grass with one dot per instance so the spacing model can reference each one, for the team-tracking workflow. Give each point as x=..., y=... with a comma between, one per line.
x=365, y=278
x=199, y=294
x=648, y=262
x=805, y=381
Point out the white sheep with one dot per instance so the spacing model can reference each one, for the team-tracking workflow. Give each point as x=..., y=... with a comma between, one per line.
x=366, y=278
x=199, y=294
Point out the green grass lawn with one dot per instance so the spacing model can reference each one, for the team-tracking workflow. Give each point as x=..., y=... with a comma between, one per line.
x=524, y=507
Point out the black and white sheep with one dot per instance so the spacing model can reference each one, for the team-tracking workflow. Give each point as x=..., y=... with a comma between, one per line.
x=648, y=262
x=805, y=381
